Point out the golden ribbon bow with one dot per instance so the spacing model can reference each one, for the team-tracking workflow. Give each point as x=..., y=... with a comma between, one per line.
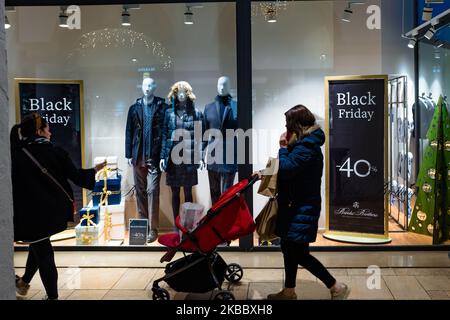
x=87, y=216
x=87, y=239
x=104, y=202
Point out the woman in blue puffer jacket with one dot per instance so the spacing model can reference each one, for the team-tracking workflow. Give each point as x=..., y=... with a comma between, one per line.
x=299, y=200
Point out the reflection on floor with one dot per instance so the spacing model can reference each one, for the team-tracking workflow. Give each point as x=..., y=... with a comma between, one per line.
x=398, y=236
x=136, y=283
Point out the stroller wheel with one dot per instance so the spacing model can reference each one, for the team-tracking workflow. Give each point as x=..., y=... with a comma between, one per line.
x=224, y=295
x=234, y=273
x=160, y=294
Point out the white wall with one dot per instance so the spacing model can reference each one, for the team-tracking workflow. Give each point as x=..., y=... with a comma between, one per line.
x=7, y=289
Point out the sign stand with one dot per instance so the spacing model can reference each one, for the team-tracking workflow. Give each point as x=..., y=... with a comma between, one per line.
x=356, y=159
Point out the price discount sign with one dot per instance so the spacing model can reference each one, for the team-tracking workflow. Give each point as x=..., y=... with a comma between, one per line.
x=356, y=158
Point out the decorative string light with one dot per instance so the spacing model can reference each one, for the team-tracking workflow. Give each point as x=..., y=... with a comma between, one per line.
x=122, y=38
x=270, y=9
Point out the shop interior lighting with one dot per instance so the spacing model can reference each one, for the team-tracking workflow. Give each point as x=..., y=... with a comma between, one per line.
x=427, y=13
x=432, y=31
x=63, y=18
x=427, y=30
x=271, y=16
x=189, y=13
x=348, y=11
x=412, y=43
x=413, y=40
x=126, y=16
x=126, y=22
x=188, y=16
x=7, y=24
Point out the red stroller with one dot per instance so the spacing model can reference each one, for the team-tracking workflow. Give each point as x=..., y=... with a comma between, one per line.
x=204, y=269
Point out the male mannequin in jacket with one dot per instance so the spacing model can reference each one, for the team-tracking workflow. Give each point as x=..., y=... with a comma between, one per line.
x=221, y=115
x=142, y=148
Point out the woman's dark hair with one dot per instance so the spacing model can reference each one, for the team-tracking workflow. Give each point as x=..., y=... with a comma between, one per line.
x=298, y=118
x=28, y=128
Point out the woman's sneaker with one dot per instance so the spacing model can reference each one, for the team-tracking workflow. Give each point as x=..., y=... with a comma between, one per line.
x=21, y=286
x=342, y=292
x=282, y=295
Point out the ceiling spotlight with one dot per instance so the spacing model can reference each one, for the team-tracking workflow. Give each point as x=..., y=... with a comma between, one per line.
x=347, y=15
x=63, y=18
x=126, y=18
x=412, y=43
x=432, y=31
x=7, y=24
x=348, y=12
x=427, y=13
x=271, y=16
x=188, y=16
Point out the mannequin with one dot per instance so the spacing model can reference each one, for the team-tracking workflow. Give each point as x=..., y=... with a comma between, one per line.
x=221, y=115
x=143, y=148
x=181, y=167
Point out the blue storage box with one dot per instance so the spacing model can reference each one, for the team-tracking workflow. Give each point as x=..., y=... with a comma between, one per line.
x=93, y=213
x=114, y=190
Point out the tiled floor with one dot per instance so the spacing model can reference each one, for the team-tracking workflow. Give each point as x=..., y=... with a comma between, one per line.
x=402, y=276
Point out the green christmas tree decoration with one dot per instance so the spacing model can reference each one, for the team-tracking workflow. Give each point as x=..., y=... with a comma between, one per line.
x=431, y=214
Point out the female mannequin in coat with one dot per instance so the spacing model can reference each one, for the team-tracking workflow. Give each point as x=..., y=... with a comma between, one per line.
x=181, y=149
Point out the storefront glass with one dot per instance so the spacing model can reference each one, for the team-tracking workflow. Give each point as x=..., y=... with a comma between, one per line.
x=167, y=42
x=107, y=52
x=295, y=46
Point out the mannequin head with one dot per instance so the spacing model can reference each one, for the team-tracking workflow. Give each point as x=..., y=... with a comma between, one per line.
x=148, y=87
x=181, y=92
x=223, y=86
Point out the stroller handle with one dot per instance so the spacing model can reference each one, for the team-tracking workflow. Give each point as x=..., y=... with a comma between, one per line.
x=251, y=181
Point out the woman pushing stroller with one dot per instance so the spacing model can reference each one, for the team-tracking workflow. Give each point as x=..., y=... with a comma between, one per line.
x=299, y=201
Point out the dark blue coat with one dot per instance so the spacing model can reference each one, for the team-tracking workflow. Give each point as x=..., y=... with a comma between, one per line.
x=134, y=131
x=212, y=118
x=299, y=188
x=192, y=119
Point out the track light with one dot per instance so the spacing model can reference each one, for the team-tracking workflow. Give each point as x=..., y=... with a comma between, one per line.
x=63, y=18
x=126, y=18
x=413, y=40
x=188, y=16
x=427, y=13
x=432, y=31
x=271, y=16
x=7, y=24
x=347, y=15
x=348, y=12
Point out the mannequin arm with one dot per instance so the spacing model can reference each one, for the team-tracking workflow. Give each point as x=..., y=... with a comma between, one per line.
x=129, y=136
